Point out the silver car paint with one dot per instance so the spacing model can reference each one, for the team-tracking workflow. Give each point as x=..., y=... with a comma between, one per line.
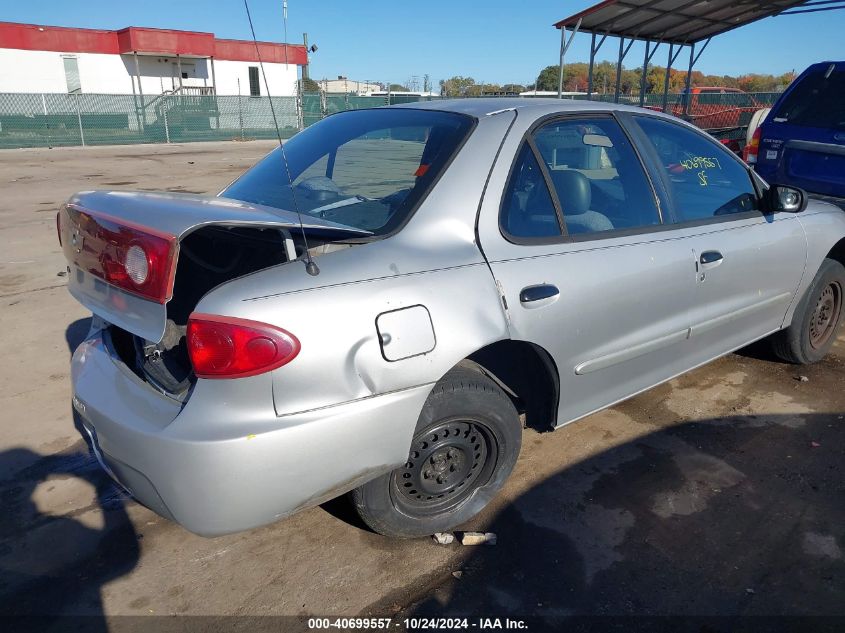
x=240, y=453
x=433, y=261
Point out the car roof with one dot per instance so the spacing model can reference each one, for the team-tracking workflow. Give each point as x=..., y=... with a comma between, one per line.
x=479, y=107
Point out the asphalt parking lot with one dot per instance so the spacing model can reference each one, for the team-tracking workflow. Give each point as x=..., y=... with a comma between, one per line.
x=720, y=493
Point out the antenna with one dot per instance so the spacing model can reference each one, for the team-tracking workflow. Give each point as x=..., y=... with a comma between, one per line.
x=310, y=264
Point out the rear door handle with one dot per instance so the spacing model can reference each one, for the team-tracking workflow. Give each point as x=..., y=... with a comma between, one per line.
x=538, y=293
x=711, y=257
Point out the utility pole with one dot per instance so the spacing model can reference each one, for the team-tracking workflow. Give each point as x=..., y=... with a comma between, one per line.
x=307, y=60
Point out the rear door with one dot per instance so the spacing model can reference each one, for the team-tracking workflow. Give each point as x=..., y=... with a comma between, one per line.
x=803, y=139
x=747, y=265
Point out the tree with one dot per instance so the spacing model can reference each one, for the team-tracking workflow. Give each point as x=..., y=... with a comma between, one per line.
x=548, y=77
x=397, y=88
x=309, y=85
x=457, y=86
x=513, y=88
x=426, y=83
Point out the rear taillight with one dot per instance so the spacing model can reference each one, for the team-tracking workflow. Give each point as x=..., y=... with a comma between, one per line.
x=228, y=347
x=134, y=258
x=749, y=154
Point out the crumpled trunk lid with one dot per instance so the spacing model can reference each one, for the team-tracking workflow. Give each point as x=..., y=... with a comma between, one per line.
x=90, y=220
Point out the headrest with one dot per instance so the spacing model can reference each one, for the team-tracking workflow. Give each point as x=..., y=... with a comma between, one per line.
x=573, y=189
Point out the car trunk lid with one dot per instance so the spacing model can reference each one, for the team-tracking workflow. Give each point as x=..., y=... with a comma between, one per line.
x=96, y=229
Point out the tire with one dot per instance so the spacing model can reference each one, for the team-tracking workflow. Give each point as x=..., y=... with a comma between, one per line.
x=465, y=446
x=756, y=119
x=816, y=320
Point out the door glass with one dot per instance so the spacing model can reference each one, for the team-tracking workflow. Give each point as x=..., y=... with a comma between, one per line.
x=527, y=207
x=706, y=181
x=597, y=176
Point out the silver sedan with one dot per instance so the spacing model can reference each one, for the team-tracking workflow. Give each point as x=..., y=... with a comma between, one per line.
x=379, y=306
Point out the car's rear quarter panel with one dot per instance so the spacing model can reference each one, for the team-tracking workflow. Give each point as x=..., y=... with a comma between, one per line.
x=434, y=261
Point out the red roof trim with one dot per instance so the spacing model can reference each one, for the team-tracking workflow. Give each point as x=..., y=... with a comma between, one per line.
x=244, y=51
x=33, y=37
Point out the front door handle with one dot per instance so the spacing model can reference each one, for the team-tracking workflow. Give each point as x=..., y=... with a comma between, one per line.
x=538, y=293
x=711, y=257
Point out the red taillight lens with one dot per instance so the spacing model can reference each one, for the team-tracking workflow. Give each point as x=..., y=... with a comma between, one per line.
x=228, y=347
x=134, y=258
x=749, y=154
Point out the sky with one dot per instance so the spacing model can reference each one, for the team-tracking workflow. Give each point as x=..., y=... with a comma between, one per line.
x=493, y=41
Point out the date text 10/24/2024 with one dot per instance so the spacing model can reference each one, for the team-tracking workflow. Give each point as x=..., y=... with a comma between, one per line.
x=418, y=624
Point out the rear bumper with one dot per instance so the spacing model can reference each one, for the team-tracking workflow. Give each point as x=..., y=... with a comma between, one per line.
x=224, y=462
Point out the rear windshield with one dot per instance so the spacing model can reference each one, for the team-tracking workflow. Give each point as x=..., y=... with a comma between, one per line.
x=818, y=100
x=366, y=168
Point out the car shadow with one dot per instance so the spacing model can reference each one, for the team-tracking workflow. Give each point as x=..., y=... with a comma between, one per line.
x=55, y=556
x=729, y=517
x=54, y=565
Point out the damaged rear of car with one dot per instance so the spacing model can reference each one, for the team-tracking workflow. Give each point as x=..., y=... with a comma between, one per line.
x=222, y=383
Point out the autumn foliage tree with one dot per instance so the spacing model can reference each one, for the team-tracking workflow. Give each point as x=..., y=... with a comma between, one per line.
x=576, y=78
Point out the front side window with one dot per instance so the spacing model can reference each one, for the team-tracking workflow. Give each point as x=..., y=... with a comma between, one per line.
x=596, y=176
x=705, y=180
x=364, y=168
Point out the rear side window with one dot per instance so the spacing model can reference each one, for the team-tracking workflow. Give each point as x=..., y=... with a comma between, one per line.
x=366, y=168
x=527, y=208
x=817, y=100
x=705, y=180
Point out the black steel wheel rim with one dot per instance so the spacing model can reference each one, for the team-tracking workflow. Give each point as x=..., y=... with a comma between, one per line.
x=447, y=461
x=825, y=315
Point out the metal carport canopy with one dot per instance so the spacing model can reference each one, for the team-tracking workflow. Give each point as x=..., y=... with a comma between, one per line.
x=673, y=21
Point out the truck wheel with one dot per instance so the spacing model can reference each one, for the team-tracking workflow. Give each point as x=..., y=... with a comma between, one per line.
x=465, y=446
x=816, y=320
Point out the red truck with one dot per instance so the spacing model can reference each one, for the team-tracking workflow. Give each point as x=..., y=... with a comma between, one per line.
x=724, y=112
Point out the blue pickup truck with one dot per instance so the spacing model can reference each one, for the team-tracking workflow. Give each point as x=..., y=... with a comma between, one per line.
x=802, y=140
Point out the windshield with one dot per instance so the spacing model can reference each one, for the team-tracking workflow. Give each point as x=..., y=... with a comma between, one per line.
x=818, y=100
x=366, y=168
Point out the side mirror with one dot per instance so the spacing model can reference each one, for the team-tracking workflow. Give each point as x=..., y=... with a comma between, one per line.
x=783, y=199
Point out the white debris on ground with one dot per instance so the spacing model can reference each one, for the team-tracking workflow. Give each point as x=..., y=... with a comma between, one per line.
x=478, y=538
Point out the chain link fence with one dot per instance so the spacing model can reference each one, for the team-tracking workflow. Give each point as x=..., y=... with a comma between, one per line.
x=52, y=120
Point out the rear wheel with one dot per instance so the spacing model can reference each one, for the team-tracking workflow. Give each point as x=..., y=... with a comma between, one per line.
x=816, y=320
x=465, y=446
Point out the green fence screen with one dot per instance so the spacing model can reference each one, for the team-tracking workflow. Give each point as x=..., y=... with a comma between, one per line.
x=51, y=120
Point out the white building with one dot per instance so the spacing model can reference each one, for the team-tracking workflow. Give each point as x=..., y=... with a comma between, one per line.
x=135, y=60
x=348, y=86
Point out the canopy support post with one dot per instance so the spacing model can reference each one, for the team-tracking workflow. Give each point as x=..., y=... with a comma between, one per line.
x=564, y=46
x=623, y=51
x=649, y=54
x=672, y=57
x=593, y=52
x=693, y=60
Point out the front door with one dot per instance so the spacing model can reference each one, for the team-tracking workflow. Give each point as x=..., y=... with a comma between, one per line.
x=585, y=265
x=748, y=265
